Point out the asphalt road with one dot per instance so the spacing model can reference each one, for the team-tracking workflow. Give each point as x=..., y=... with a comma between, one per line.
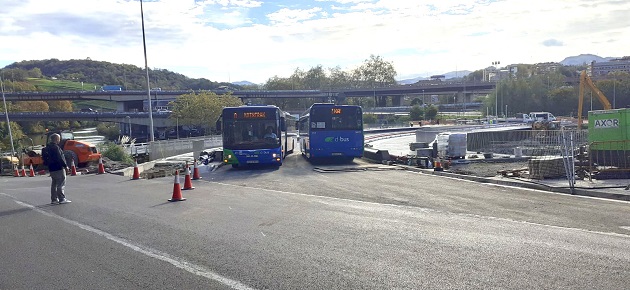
x=350, y=226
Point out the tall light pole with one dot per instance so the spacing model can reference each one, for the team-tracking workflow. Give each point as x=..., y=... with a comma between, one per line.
x=423, y=101
x=146, y=67
x=496, y=85
x=6, y=114
x=129, y=123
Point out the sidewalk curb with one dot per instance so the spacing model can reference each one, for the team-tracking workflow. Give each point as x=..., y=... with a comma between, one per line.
x=577, y=191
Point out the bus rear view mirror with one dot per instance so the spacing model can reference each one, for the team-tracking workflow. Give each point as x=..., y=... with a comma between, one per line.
x=218, y=126
x=283, y=124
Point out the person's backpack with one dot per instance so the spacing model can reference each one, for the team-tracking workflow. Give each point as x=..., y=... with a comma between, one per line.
x=46, y=156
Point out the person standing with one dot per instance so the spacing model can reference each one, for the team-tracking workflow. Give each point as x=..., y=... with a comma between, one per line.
x=57, y=167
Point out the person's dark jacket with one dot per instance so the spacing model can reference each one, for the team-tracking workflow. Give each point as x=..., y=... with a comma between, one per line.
x=56, y=159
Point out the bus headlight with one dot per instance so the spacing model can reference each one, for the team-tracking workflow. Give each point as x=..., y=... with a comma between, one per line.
x=274, y=155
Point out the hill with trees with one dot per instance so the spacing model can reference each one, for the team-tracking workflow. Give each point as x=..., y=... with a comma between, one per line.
x=99, y=73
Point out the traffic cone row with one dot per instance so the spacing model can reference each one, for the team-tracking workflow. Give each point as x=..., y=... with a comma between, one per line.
x=195, y=171
x=136, y=172
x=101, y=167
x=177, y=190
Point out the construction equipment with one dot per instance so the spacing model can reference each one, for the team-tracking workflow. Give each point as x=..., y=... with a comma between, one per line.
x=79, y=152
x=543, y=121
x=585, y=80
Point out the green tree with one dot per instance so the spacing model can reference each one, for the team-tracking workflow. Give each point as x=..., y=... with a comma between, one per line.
x=60, y=106
x=430, y=112
x=416, y=113
x=201, y=109
x=369, y=119
x=5, y=139
x=375, y=72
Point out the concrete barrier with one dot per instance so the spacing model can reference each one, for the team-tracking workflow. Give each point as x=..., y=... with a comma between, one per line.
x=376, y=154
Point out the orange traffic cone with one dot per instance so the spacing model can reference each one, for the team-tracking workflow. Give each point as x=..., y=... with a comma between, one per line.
x=16, y=172
x=187, y=182
x=23, y=172
x=101, y=167
x=73, y=168
x=136, y=172
x=195, y=171
x=31, y=172
x=177, y=190
x=438, y=166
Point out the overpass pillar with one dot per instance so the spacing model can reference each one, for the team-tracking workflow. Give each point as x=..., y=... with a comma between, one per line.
x=396, y=101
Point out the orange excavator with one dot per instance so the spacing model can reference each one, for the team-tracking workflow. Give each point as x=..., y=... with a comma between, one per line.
x=73, y=150
x=585, y=80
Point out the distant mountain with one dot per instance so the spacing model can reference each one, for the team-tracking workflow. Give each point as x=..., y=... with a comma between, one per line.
x=583, y=59
x=244, y=83
x=448, y=75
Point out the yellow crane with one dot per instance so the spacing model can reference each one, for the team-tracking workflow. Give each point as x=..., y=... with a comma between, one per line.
x=585, y=80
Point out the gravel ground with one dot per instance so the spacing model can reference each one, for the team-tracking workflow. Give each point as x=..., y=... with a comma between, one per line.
x=486, y=169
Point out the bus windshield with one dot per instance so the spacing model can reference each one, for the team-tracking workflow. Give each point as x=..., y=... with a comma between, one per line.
x=248, y=134
x=336, y=118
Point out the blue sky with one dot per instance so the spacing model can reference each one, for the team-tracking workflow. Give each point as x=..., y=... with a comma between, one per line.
x=237, y=40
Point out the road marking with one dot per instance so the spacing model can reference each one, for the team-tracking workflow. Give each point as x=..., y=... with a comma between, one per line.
x=153, y=253
x=627, y=228
x=263, y=234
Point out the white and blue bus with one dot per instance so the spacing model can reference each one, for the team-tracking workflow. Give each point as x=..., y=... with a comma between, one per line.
x=331, y=131
x=254, y=135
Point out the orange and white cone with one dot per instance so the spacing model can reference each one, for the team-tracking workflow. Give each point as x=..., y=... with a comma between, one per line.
x=101, y=167
x=73, y=168
x=177, y=190
x=16, y=171
x=188, y=182
x=195, y=171
x=23, y=171
x=31, y=172
x=136, y=172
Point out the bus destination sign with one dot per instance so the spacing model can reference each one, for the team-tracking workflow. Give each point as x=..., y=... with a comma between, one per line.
x=336, y=111
x=254, y=115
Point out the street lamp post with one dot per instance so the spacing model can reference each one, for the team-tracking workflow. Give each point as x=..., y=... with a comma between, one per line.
x=496, y=85
x=423, y=101
x=146, y=67
x=6, y=114
x=129, y=124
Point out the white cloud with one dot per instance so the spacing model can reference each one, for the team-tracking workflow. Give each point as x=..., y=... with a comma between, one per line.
x=250, y=40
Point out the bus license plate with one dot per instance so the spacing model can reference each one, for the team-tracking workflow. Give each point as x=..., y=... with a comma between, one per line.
x=252, y=161
x=337, y=154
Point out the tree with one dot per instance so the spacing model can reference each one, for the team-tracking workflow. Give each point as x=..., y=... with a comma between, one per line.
x=60, y=106
x=375, y=72
x=5, y=139
x=430, y=112
x=201, y=109
x=31, y=106
x=416, y=113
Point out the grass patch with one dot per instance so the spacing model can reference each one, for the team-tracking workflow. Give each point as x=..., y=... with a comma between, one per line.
x=60, y=85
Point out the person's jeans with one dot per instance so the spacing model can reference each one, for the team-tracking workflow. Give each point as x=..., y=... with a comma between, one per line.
x=58, y=185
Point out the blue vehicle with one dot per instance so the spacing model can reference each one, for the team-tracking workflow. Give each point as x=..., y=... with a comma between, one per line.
x=331, y=131
x=254, y=135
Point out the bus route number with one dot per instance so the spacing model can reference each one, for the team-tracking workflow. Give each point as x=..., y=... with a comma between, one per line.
x=336, y=111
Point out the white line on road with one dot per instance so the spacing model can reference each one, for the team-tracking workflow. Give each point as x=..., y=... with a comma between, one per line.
x=175, y=261
x=263, y=234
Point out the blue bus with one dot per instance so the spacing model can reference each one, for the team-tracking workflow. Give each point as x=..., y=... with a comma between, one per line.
x=331, y=131
x=254, y=135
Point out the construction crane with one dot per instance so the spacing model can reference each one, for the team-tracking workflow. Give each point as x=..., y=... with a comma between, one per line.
x=585, y=80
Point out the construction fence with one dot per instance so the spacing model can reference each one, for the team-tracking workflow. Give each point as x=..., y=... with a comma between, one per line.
x=168, y=148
